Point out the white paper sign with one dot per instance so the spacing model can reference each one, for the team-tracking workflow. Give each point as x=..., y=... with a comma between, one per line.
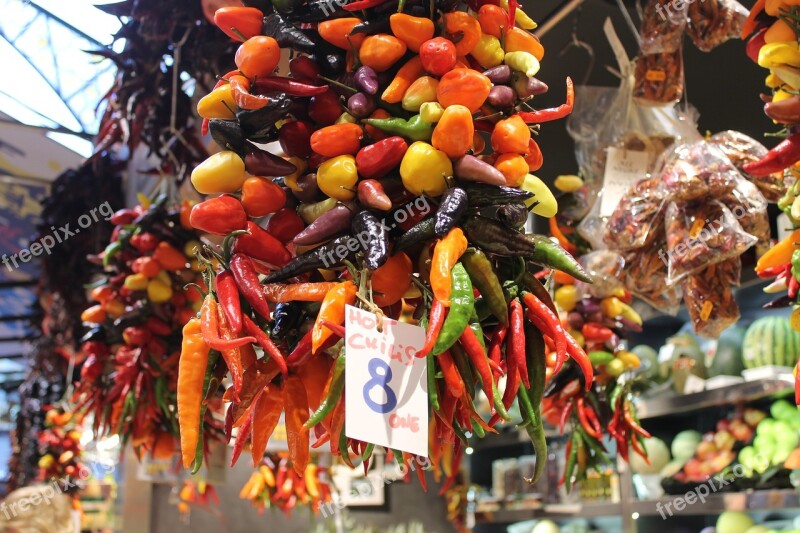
x=623, y=169
x=386, y=389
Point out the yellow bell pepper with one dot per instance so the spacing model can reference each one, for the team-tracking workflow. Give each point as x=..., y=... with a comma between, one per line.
x=431, y=112
x=523, y=62
x=424, y=169
x=776, y=54
x=135, y=282
x=488, y=52
x=337, y=177
x=422, y=90
x=222, y=172
x=543, y=202
x=219, y=103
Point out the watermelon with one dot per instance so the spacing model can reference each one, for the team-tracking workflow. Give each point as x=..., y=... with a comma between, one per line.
x=727, y=359
x=770, y=341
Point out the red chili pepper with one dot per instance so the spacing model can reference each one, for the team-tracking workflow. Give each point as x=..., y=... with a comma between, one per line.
x=211, y=327
x=219, y=215
x=547, y=321
x=555, y=113
x=773, y=271
x=228, y=296
x=496, y=346
x=262, y=245
x=301, y=352
x=780, y=157
x=158, y=326
x=362, y=4
x=228, y=425
x=512, y=382
x=455, y=385
x=287, y=85
x=626, y=414
x=266, y=343
x=337, y=329
x=456, y=461
x=592, y=417
x=584, y=420
x=377, y=159
x=241, y=438
x=638, y=448
x=516, y=342
x=567, y=452
x=285, y=224
x=438, y=312
x=244, y=272
x=479, y=360
x=564, y=415
x=594, y=332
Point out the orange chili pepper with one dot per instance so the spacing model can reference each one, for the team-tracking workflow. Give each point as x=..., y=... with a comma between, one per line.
x=191, y=373
x=332, y=310
x=403, y=80
x=169, y=257
x=94, y=314
x=296, y=402
x=381, y=51
x=454, y=132
x=534, y=157
x=492, y=19
x=186, y=210
x=339, y=139
x=446, y=254
x=750, y=22
x=463, y=30
x=298, y=292
x=519, y=40
x=264, y=415
x=556, y=232
x=232, y=356
x=511, y=135
x=337, y=32
x=391, y=281
x=464, y=86
x=411, y=30
x=514, y=167
x=780, y=254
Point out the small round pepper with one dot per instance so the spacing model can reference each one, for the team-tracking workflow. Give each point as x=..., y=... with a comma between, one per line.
x=454, y=132
x=511, y=135
x=424, y=169
x=438, y=55
x=488, y=52
x=222, y=172
x=339, y=139
x=219, y=103
x=337, y=177
x=411, y=30
x=381, y=51
x=463, y=86
x=464, y=29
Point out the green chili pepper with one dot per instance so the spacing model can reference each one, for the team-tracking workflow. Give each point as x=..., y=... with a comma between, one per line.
x=213, y=355
x=482, y=275
x=414, y=129
x=460, y=433
x=482, y=310
x=111, y=250
x=595, y=446
x=600, y=357
x=478, y=430
x=550, y=254
x=614, y=396
x=475, y=325
x=343, y=448
x=433, y=393
x=462, y=304
x=535, y=431
x=334, y=393
x=535, y=352
x=367, y=452
x=535, y=286
x=571, y=462
x=796, y=264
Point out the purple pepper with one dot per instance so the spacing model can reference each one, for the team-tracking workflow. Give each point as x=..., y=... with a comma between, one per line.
x=526, y=87
x=499, y=74
x=501, y=96
x=367, y=79
x=361, y=105
x=326, y=226
x=470, y=168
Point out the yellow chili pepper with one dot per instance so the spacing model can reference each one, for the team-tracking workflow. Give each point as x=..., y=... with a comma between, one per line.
x=332, y=310
x=488, y=52
x=222, y=172
x=780, y=254
x=431, y=112
x=422, y=90
x=424, y=170
x=568, y=183
x=543, y=203
x=403, y=80
x=337, y=177
x=135, y=282
x=520, y=17
x=291, y=179
x=446, y=254
x=158, y=291
x=523, y=62
x=219, y=103
x=776, y=54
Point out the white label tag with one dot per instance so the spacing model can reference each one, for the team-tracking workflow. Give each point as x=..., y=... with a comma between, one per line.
x=386, y=387
x=785, y=227
x=623, y=169
x=694, y=384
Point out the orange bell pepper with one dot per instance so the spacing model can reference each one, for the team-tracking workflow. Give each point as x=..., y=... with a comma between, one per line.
x=337, y=32
x=381, y=51
x=454, y=131
x=511, y=135
x=446, y=253
x=463, y=86
x=463, y=30
x=332, y=310
x=518, y=40
x=780, y=254
x=493, y=20
x=403, y=80
x=411, y=30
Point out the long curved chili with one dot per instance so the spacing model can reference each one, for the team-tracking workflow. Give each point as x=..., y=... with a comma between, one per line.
x=209, y=322
x=228, y=296
x=438, y=312
x=584, y=419
x=477, y=355
x=496, y=345
x=332, y=398
x=553, y=113
x=232, y=356
x=579, y=356
x=452, y=378
x=246, y=277
x=263, y=340
x=628, y=416
x=516, y=342
x=540, y=314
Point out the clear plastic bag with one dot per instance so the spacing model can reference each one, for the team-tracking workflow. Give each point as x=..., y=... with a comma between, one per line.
x=713, y=22
x=606, y=269
x=701, y=235
x=750, y=208
x=697, y=170
x=662, y=26
x=742, y=149
x=638, y=218
x=659, y=78
x=709, y=298
x=645, y=275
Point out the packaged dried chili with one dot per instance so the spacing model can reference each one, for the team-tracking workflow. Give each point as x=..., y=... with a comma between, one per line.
x=709, y=297
x=713, y=22
x=750, y=209
x=742, y=149
x=645, y=275
x=697, y=170
x=658, y=78
x=701, y=235
x=663, y=24
x=638, y=217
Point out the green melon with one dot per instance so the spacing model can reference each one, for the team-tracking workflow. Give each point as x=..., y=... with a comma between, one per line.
x=770, y=341
x=727, y=359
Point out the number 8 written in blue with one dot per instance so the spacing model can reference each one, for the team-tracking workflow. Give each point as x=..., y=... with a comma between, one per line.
x=380, y=375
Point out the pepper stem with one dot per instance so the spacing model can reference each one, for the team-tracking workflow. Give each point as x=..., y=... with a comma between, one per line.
x=239, y=34
x=338, y=84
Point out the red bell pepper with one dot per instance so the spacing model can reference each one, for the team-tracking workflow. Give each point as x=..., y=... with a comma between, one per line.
x=260, y=244
x=219, y=216
x=378, y=158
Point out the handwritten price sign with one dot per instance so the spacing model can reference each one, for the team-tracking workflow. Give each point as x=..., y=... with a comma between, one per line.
x=385, y=385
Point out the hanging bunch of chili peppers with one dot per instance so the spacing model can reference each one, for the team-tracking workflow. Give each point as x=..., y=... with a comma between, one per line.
x=387, y=199
x=774, y=28
x=128, y=379
x=60, y=448
x=276, y=483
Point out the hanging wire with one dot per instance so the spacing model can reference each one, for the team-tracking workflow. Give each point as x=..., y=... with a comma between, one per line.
x=576, y=42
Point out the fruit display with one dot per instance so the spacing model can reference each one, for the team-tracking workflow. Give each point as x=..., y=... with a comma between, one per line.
x=276, y=483
x=387, y=199
x=771, y=341
x=776, y=441
x=128, y=379
x=60, y=448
